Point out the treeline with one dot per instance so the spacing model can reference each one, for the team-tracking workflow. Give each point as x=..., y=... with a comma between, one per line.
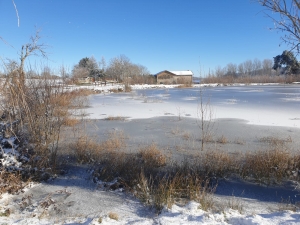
x=254, y=67
x=119, y=69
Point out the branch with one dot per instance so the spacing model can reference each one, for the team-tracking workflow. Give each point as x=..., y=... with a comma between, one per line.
x=17, y=13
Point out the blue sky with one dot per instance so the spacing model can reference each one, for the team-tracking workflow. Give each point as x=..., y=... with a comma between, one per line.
x=159, y=34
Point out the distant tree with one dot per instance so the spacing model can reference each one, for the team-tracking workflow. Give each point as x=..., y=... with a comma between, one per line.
x=83, y=62
x=256, y=67
x=267, y=65
x=119, y=67
x=288, y=21
x=248, y=67
x=86, y=67
x=241, y=69
x=219, y=71
x=287, y=63
x=231, y=69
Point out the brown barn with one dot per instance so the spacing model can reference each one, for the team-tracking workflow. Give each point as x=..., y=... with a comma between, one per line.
x=174, y=77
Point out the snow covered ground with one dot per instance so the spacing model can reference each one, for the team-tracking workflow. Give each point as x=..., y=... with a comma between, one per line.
x=73, y=199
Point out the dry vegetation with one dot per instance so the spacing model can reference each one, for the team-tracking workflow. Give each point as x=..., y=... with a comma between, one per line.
x=250, y=79
x=33, y=114
x=159, y=181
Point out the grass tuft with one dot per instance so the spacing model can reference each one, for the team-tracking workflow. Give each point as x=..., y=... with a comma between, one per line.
x=113, y=216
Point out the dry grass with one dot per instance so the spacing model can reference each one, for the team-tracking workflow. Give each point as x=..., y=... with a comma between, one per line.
x=87, y=150
x=152, y=156
x=113, y=216
x=186, y=85
x=110, y=118
x=151, y=177
x=275, y=141
x=222, y=140
x=250, y=79
x=11, y=183
x=239, y=141
x=176, y=130
x=286, y=204
x=158, y=182
x=235, y=204
x=6, y=213
x=186, y=136
x=267, y=166
x=71, y=122
x=217, y=164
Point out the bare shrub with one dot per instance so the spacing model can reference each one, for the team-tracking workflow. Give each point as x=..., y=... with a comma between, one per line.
x=205, y=117
x=39, y=108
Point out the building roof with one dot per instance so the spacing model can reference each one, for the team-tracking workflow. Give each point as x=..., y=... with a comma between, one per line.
x=181, y=72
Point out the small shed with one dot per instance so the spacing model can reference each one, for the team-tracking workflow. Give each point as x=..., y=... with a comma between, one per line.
x=174, y=77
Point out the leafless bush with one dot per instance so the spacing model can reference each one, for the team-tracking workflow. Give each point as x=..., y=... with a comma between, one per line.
x=39, y=108
x=205, y=117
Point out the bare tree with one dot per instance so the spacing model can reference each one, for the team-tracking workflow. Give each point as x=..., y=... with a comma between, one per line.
x=267, y=65
x=31, y=48
x=288, y=21
x=118, y=67
x=205, y=118
x=241, y=69
x=219, y=71
x=256, y=66
x=231, y=69
x=248, y=66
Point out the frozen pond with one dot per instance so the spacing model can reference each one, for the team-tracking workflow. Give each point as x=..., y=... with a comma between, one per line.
x=277, y=105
